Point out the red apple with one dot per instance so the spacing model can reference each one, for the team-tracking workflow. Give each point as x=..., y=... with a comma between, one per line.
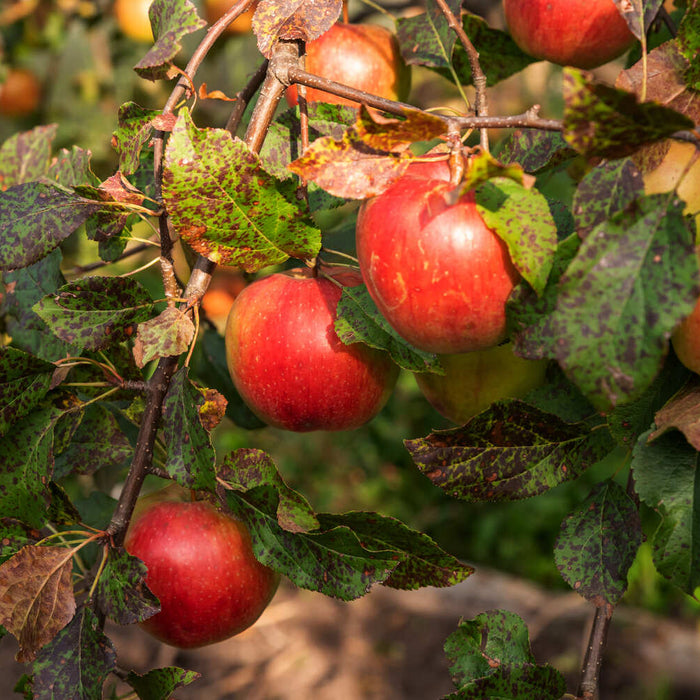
x=474, y=380
x=202, y=568
x=214, y=9
x=437, y=273
x=287, y=362
x=20, y=92
x=363, y=56
x=581, y=33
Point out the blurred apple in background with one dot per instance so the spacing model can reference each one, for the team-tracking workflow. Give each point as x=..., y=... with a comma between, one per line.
x=474, y=380
x=224, y=287
x=20, y=92
x=214, y=9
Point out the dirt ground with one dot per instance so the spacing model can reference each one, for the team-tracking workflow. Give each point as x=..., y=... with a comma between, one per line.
x=388, y=646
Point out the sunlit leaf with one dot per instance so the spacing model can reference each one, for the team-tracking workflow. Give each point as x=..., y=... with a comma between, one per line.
x=24, y=157
x=170, y=333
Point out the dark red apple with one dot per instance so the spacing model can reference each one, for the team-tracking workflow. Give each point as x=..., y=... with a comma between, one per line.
x=289, y=365
x=363, y=56
x=437, y=273
x=474, y=380
x=580, y=33
x=202, y=568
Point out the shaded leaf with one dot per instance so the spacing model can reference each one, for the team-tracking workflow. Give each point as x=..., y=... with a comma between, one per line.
x=598, y=543
x=25, y=156
x=191, y=456
x=536, y=151
x=423, y=563
x=170, y=333
x=292, y=19
x=61, y=510
x=508, y=452
x=160, y=683
x=134, y=131
x=491, y=658
x=14, y=535
x=426, y=38
x=689, y=43
x=224, y=205
x=604, y=121
x=246, y=469
x=171, y=21
x=522, y=218
x=24, y=381
x=36, y=596
x=93, y=312
x=605, y=190
x=359, y=321
x=121, y=592
x=639, y=15
x=667, y=478
x=75, y=664
x=35, y=217
x=681, y=413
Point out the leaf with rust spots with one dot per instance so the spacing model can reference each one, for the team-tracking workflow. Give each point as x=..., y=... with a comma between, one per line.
x=604, y=121
x=682, y=413
x=483, y=167
x=36, y=596
x=134, y=131
x=536, y=151
x=349, y=167
x=72, y=168
x=292, y=19
x=598, y=543
x=171, y=21
x=212, y=411
x=639, y=15
x=25, y=156
x=160, y=683
x=522, y=218
x=226, y=206
x=508, y=452
x=667, y=478
x=426, y=39
x=168, y=334
x=633, y=279
x=490, y=657
x=605, y=190
x=191, y=457
x=246, y=469
x=93, y=312
x=396, y=135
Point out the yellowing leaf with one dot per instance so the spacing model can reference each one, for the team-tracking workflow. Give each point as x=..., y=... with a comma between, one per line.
x=36, y=596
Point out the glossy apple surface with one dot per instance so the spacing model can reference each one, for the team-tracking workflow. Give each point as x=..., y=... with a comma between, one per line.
x=202, y=569
x=287, y=362
x=20, y=93
x=580, y=33
x=214, y=9
x=436, y=272
x=474, y=380
x=363, y=56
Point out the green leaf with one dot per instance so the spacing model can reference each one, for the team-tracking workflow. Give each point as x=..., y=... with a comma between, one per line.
x=246, y=469
x=423, y=563
x=224, y=205
x=499, y=55
x=689, y=43
x=26, y=465
x=522, y=218
x=94, y=312
x=633, y=278
x=639, y=15
x=171, y=21
x=209, y=365
x=168, y=334
x=97, y=443
x=72, y=168
x=35, y=217
x=160, y=683
x=23, y=289
x=598, y=543
x=491, y=658
x=76, y=663
x=25, y=156
x=13, y=536
x=359, y=321
x=509, y=452
x=134, y=131
x=536, y=151
x=24, y=381
x=667, y=478
x=604, y=121
x=427, y=39
x=121, y=592
x=191, y=456
x=605, y=190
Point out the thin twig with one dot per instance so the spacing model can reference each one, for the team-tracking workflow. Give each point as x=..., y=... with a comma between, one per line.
x=590, y=671
x=478, y=76
x=244, y=97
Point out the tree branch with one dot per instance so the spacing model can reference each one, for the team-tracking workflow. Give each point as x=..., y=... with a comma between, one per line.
x=590, y=671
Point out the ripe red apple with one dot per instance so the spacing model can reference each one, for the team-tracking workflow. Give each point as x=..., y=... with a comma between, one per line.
x=363, y=56
x=202, y=569
x=474, y=380
x=437, y=273
x=580, y=33
x=287, y=362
